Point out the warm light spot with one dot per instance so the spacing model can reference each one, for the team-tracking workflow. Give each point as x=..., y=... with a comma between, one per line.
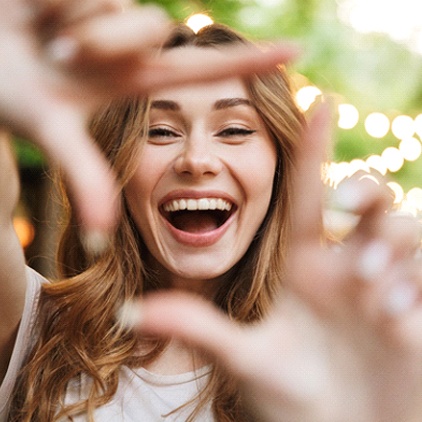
x=414, y=197
x=392, y=159
x=377, y=125
x=25, y=231
x=410, y=148
x=408, y=208
x=198, y=21
x=306, y=96
x=377, y=163
x=357, y=165
x=336, y=172
x=397, y=190
x=403, y=127
x=348, y=116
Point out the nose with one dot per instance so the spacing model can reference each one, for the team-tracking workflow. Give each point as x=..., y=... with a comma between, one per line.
x=198, y=159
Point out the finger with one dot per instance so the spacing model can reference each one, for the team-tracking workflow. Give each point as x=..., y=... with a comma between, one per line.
x=403, y=233
x=55, y=15
x=191, y=319
x=92, y=184
x=308, y=187
x=107, y=38
x=406, y=333
x=184, y=65
x=367, y=198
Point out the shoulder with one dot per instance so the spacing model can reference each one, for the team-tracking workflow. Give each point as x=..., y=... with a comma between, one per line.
x=24, y=340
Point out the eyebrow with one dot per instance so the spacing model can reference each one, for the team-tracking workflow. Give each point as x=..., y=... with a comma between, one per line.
x=218, y=105
x=231, y=102
x=165, y=105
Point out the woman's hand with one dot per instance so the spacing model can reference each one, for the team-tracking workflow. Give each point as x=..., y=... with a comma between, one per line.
x=344, y=340
x=61, y=59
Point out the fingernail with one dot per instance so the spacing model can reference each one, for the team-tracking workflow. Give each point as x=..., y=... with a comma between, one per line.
x=62, y=50
x=130, y=314
x=348, y=197
x=95, y=242
x=401, y=298
x=373, y=259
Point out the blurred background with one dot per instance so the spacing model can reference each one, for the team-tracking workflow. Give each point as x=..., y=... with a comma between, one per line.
x=366, y=55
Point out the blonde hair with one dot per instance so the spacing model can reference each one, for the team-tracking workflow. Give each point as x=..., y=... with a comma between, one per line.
x=77, y=329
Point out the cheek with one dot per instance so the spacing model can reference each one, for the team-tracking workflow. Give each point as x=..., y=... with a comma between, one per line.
x=259, y=176
x=140, y=188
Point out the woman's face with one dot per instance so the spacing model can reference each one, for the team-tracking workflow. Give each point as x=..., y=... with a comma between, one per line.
x=204, y=180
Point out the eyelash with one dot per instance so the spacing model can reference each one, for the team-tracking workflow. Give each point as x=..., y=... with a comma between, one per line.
x=230, y=132
x=161, y=132
x=235, y=131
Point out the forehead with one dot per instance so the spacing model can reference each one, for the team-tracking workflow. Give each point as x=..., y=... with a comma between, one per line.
x=205, y=93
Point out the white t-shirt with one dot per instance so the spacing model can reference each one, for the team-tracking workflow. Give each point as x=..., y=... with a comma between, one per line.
x=141, y=395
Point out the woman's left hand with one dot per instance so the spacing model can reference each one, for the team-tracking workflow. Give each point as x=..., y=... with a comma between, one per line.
x=344, y=340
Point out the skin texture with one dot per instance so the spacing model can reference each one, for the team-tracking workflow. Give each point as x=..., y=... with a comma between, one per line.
x=200, y=139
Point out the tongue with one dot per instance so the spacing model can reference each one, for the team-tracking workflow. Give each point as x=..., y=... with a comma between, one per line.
x=195, y=222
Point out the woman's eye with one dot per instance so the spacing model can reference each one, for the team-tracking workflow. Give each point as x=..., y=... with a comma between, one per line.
x=235, y=131
x=160, y=132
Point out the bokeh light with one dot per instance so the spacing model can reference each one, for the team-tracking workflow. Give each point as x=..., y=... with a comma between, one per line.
x=392, y=159
x=24, y=230
x=348, y=116
x=410, y=148
x=377, y=125
x=400, y=20
x=414, y=198
x=306, y=96
x=397, y=190
x=199, y=21
x=403, y=127
x=376, y=162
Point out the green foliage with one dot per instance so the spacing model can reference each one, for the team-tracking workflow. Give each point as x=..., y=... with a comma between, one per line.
x=27, y=154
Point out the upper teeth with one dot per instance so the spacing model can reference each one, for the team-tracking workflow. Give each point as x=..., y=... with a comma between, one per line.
x=202, y=204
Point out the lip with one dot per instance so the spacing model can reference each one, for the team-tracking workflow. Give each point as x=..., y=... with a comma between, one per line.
x=198, y=239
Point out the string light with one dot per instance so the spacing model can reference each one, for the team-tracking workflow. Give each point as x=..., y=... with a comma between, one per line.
x=410, y=148
x=306, y=96
x=403, y=127
x=377, y=125
x=348, y=116
x=398, y=192
x=198, y=21
x=377, y=163
x=393, y=159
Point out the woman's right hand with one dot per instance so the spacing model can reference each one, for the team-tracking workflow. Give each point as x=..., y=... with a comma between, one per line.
x=61, y=59
x=343, y=341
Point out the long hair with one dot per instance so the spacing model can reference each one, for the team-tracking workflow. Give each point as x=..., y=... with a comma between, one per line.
x=77, y=331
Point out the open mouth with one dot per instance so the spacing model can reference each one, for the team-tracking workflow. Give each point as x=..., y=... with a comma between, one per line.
x=197, y=215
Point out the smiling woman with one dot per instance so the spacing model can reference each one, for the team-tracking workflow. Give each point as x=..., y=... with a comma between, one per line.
x=206, y=174
x=204, y=142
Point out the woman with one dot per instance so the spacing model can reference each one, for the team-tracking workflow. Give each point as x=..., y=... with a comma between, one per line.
x=206, y=208
x=226, y=149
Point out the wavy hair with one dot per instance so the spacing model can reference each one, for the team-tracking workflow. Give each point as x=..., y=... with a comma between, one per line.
x=77, y=331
